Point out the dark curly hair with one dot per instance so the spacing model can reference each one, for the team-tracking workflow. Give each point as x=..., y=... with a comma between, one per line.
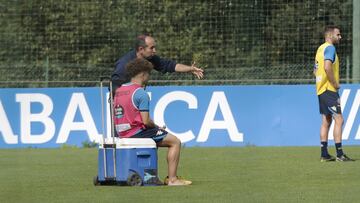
x=137, y=66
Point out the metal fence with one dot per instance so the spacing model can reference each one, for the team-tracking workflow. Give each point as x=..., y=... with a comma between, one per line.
x=72, y=43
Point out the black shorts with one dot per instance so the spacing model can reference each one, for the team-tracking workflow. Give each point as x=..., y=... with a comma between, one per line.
x=329, y=103
x=156, y=134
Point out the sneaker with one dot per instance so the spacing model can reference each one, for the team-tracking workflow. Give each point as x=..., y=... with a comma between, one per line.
x=327, y=158
x=178, y=181
x=344, y=158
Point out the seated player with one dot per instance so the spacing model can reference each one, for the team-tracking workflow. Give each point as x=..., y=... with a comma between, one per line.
x=132, y=118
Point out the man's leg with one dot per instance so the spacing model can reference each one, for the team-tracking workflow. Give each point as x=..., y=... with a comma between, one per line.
x=324, y=129
x=173, y=157
x=324, y=134
x=339, y=121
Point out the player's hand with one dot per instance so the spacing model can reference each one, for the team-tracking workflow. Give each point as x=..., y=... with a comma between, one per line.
x=198, y=72
x=337, y=86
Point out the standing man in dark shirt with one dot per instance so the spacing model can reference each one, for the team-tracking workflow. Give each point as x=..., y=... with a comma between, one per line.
x=145, y=47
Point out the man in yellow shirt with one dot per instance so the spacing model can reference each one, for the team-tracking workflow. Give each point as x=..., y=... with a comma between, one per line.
x=326, y=71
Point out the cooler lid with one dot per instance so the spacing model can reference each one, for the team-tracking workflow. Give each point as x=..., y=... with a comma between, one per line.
x=127, y=143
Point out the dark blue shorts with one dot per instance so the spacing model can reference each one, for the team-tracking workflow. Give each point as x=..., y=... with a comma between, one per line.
x=156, y=134
x=329, y=103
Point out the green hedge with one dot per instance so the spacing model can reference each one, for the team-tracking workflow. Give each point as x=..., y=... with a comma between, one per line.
x=67, y=40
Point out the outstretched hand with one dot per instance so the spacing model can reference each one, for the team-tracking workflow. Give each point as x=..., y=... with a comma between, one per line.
x=198, y=72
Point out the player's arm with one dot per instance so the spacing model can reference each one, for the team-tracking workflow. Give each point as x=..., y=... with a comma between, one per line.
x=145, y=116
x=142, y=101
x=169, y=66
x=329, y=59
x=198, y=72
x=330, y=74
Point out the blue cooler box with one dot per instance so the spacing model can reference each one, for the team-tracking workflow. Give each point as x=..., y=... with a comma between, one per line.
x=136, y=161
x=127, y=161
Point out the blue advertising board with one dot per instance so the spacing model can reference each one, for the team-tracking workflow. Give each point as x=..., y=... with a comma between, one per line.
x=212, y=116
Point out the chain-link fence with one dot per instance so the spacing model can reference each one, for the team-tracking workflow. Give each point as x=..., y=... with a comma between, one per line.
x=73, y=43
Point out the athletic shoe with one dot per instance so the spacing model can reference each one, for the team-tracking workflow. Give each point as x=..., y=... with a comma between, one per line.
x=327, y=158
x=344, y=158
x=179, y=181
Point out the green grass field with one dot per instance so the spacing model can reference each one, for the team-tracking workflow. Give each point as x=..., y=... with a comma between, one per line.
x=244, y=174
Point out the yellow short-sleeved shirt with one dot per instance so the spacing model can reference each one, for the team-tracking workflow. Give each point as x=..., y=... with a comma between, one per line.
x=326, y=51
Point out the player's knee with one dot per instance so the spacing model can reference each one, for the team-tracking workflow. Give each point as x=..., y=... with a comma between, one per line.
x=175, y=141
x=326, y=122
x=339, y=120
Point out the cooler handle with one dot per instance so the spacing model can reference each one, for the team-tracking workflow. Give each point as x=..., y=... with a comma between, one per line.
x=143, y=153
